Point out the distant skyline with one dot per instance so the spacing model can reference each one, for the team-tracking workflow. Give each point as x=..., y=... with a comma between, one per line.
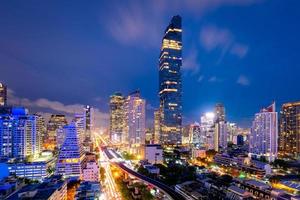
x=59, y=56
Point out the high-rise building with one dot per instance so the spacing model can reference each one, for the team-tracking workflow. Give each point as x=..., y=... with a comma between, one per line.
x=149, y=136
x=70, y=158
x=79, y=121
x=207, y=130
x=41, y=129
x=117, y=119
x=55, y=122
x=219, y=112
x=170, y=88
x=289, y=139
x=264, y=134
x=19, y=136
x=3, y=95
x=220, y=136
x=135, y=119
x=232, y=131
x=157, y=126
x=88, y=121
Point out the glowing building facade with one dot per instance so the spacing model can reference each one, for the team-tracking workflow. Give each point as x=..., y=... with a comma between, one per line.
x=70, y=158
x=3, y=95
x=170, y=88
x=55, y=122
x=264, y=134
x=79, y=121
x=135, y=120
x=289, y=139
x=19, y=136
x=206, y=139
x=88, y=121
x=157, y=126
x=117, y=118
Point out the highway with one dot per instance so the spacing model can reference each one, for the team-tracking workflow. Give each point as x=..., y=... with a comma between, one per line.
x=164, y=188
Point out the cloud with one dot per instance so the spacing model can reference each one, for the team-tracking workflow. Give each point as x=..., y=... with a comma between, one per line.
x=212, y=37
x=142, y=22
x=44, y=105
x=190, y=62
x=243, y=80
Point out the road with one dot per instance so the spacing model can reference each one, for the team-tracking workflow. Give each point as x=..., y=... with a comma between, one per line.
x=164, y=188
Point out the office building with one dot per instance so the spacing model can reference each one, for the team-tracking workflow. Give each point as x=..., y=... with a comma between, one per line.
x=135, y=120
x=154, y=153
x=289, y=139
x=117, y=119
x=219, y=112
x=89, y=191
x=207, y=131
x=55, y=122
x=70, y=158
x=170, y=88
x=3, y=95
x=157, y=126
x=53, y=188
x=79, y=120
x=149, y=136
x=220, y=136
x=88, y=122
x=19, y=136
x=264, y=134
x=91, y=171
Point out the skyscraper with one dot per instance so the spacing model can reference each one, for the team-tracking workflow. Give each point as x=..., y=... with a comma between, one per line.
x=170, y=88
x=264, y=134
x=207, y=130
x=220, y=136
x=117, y=118
x=289, y=139
x=79, y=121
x=19, y=135
x=3, y=95
x=135, y=119
x=157, y=126
x=70, y=158
x=219, y=112
x=55, y=122
x=88, y=121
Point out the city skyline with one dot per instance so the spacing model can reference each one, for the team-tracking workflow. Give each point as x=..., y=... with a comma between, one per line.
x=222, y=55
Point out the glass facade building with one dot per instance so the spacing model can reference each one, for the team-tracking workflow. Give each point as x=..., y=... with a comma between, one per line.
x=170, y=88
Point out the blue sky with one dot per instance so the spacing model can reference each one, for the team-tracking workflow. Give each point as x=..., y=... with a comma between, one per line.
x=57, y=56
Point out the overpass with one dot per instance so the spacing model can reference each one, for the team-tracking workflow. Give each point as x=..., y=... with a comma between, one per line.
x=171, y=193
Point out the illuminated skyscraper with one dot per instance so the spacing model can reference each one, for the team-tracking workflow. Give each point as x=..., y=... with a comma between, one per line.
x=117, y=118
x=264, y=134
x=55, y=122
x=207, y=130
x=220, y=136
x=19, y=136
x=70, y=158
x=3, y=95
x=88, y=121
x=135, y=119
x=170, y=89
x=219, y=112
x=79, y=121
x=289, y=139
x=157, y=126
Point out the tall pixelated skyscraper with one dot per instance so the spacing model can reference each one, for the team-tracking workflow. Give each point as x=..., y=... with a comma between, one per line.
x=117, y=118
x=264, y=134
x=3, y=95
x=88, y=121
x=289, y=138
x=170, y=88
x=70, y=158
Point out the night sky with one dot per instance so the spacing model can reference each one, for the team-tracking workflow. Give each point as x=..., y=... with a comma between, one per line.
x=56, y=56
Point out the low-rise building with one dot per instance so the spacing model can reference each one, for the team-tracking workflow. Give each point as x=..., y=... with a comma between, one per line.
x=53, y=188
x=37, y=169
x=91, y=171
x=191, y=190
x=88, y=191
x=154, y=153
x=236, y=193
